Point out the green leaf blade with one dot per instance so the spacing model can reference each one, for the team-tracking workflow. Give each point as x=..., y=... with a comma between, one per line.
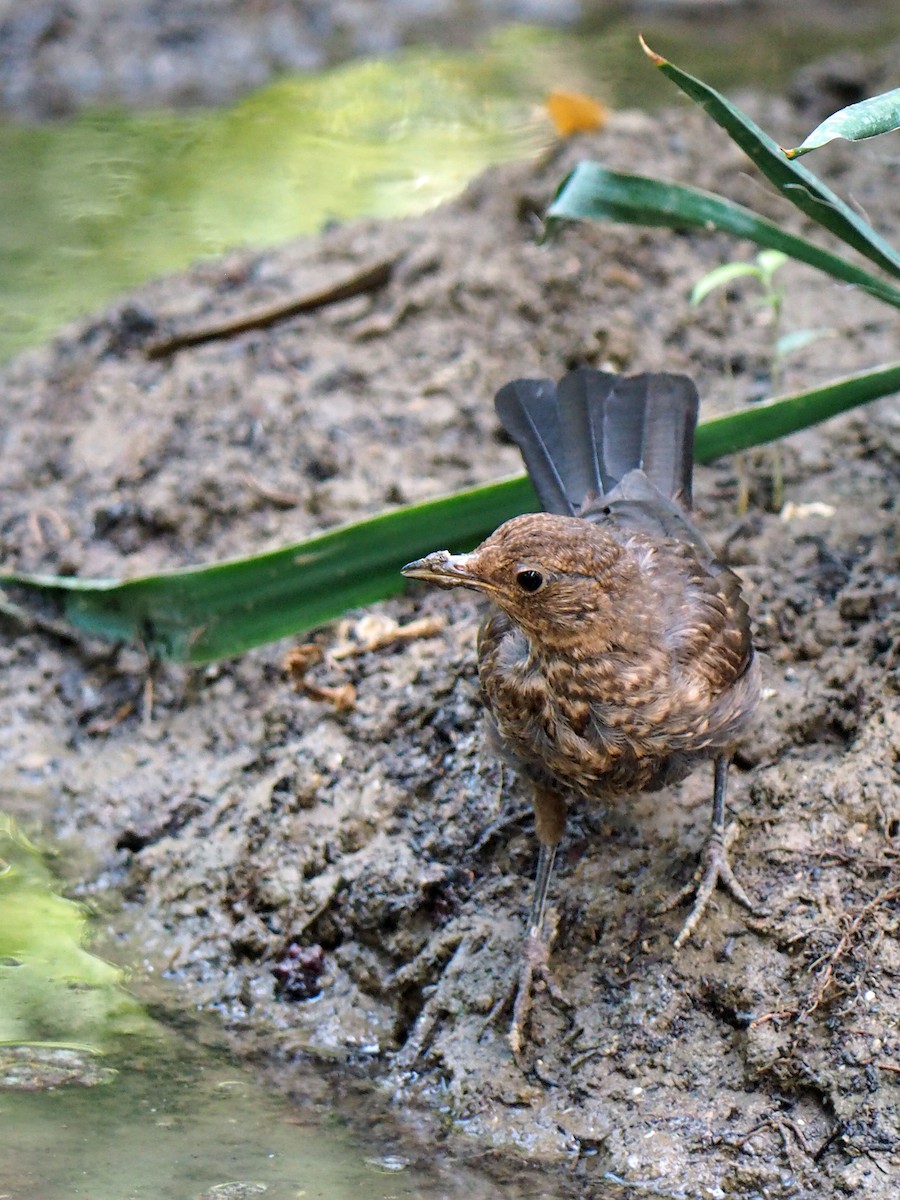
x=201, y=614
x=774, y=419
x=206, y=613
x=594, y=192
x=792, y=180
x=855, y=123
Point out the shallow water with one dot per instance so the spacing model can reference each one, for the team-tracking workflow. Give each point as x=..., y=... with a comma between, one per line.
x=99, y=1098
x=98, y=204
x=109, y=1090
x=176, y=1120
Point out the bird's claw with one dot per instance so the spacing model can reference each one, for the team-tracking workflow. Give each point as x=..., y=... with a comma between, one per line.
x=535, y=969
x=712, y=870
x=534, y=973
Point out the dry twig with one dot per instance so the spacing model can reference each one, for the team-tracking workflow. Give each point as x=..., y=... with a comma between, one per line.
x=374, y=632
x=368, y=280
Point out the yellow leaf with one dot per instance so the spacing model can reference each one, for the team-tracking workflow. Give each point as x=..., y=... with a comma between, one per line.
x=573, y=112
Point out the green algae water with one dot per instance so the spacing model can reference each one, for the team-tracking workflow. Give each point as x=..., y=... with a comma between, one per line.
x=93, y=206
x=57, y=1000
x=98, y=1099
x=173, y=1120
x=96, y=205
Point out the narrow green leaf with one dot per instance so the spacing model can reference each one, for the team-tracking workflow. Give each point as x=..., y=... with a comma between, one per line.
x=721, y=277
x=201, y=614
x=774, y=419
x=793, y=181
x=855, y=123
x=593, y=192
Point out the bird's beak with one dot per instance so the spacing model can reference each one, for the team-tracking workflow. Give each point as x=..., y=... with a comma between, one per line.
x=446, y=570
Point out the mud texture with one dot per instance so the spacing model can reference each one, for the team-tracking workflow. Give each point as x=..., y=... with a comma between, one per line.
x=353, y=883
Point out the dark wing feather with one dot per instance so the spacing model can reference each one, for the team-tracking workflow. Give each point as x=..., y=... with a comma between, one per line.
x=622, y=432
x=667, y=449
x=649, y=423
x=582, y=397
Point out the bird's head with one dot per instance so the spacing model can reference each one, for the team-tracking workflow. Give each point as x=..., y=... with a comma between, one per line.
x=560, y=579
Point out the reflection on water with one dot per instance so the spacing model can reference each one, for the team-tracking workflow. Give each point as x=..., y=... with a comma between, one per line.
x=55, y=997
x=99, y=204
x=99, y=1100
x=177, y=1121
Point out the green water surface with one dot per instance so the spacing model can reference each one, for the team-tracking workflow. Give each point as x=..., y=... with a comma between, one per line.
x=98, y=1099
x=98, y=204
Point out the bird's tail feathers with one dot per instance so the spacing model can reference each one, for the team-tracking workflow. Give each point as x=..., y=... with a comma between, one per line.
x=528, y=412
x=580, y=438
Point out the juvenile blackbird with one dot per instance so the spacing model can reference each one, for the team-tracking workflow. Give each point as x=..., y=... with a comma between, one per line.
x=617, y=655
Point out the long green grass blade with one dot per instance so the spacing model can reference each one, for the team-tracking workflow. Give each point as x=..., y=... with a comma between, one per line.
x=855, y=123
x=200, y=614
x=775, y=419
x=793, y=181
x=594, y=192
x=219, y=611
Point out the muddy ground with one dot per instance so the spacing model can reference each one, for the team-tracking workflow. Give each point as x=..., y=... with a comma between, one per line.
x=244, y=819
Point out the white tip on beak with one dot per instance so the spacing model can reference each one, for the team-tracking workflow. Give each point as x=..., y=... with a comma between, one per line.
x=444, y=569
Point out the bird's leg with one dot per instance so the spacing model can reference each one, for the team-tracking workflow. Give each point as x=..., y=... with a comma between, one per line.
x=714, y=867
x=550, y=820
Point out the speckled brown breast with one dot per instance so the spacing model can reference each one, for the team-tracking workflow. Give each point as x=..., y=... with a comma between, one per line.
x=635, y=716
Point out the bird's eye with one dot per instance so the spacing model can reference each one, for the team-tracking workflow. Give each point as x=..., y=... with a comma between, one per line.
x=530, y=580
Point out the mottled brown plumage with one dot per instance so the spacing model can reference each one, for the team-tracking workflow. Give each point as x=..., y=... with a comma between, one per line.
x=618, y=654
x=626, y=668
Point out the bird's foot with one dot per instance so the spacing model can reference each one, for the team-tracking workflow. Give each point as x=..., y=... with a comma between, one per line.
x=712, y=870
x=534, y=976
